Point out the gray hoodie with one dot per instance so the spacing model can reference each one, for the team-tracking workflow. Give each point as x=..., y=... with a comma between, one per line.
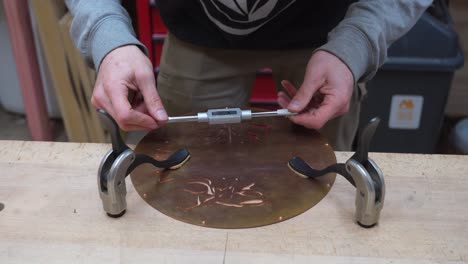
x=360, y=40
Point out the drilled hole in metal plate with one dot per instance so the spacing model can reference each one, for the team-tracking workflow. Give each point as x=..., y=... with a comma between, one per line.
x=2, y=206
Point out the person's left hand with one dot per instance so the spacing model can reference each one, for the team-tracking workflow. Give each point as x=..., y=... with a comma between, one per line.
x=325, y=93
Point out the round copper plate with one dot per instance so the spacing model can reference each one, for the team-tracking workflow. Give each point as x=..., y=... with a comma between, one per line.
x=237, y=176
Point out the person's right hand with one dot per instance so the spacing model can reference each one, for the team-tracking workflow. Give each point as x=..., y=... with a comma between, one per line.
x=124, y=71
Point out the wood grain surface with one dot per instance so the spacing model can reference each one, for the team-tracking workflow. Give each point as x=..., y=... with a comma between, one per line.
x=53, y=214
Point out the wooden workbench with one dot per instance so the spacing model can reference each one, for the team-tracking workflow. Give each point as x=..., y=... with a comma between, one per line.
x=53, y=214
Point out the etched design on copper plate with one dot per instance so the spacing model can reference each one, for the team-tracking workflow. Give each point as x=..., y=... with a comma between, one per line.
x=231, y=194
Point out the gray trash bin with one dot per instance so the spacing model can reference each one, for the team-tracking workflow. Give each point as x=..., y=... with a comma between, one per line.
x=410, y=91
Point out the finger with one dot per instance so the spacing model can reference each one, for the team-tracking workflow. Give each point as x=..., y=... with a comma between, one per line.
x=147, y=86
x=101, y=101
x=124, y=114
x=283, y=100
x=305, y=93
x=317, y=117
x=289, y=87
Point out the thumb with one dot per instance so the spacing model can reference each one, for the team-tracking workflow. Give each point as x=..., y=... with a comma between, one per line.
x=305, y=93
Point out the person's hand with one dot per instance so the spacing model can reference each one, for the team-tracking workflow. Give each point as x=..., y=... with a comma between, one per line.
x=325, y=93
x=124, y=73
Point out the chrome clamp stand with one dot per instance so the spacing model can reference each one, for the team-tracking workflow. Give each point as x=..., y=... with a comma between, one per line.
x=119, y=162
x=362, y=172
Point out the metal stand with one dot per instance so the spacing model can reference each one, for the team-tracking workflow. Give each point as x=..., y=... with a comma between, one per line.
x=361, y=172
x=119, y=162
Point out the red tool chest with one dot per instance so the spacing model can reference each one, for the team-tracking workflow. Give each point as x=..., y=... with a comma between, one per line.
x=152, y=31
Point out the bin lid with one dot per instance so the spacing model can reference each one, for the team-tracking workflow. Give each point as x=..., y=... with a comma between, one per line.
x=431, y=45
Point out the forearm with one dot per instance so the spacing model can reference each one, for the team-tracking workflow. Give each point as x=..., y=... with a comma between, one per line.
x=361, y=40
x=99, y=27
